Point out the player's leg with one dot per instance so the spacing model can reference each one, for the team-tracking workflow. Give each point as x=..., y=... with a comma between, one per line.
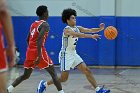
x=3, y=82
x=66, y=62
x=26, y=75
x=55, y=80
x=64, y=75
x=82, y=67
x=43, y=84
x=63, y=78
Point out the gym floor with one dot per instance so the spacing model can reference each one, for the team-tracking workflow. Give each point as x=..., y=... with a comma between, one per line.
x=117, y=80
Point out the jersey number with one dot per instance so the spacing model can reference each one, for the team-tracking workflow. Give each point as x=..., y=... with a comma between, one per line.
x=33, y=32
x=75, y=42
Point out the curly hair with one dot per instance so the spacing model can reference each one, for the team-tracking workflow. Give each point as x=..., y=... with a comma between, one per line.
x=41, y=10
x=67, y=13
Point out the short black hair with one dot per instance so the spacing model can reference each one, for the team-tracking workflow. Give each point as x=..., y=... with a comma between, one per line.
x=67, y=13
x=41, y=10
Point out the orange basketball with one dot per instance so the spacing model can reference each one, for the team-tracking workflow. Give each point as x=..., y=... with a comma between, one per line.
x=110, y=32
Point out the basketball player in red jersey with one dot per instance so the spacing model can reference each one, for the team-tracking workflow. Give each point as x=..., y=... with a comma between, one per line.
x=36, y=55
x=6, y=25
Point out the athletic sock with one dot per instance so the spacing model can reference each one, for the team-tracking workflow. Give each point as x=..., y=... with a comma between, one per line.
x=61, y=91
x=10, y=88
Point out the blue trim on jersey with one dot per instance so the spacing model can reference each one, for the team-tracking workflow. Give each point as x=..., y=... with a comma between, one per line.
x=64, y=62
x=65, y=45
x=65, y=42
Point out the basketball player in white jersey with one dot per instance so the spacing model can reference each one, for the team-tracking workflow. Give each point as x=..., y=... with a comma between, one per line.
x=68, y=57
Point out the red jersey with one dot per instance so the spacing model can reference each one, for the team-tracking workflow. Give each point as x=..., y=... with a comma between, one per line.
x=32, y=52
x=34, y=34
x=3, y=62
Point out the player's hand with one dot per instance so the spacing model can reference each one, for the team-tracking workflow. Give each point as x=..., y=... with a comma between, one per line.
x=36, y=61
x=10, y=52
x=96, y=36
x=102, y=26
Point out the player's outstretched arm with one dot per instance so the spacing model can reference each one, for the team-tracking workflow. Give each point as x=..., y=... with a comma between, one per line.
x=69, y=32
x=92, y=30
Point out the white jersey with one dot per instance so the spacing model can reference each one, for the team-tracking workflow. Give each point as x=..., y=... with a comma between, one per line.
x=68, y=56
x=69, y=42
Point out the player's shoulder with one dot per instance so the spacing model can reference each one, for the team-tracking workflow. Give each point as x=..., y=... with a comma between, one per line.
x=67, y=28
x=41, y=22
x=45, y=24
